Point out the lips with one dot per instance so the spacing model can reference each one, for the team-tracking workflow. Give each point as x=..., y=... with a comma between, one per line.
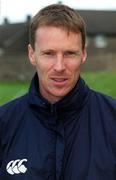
x=59, y=79
x=60, y=82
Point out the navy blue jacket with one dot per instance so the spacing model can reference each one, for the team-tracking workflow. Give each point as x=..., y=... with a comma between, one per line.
x=73, y=139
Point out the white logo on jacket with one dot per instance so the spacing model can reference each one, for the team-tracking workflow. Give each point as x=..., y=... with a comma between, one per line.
x=16, y=166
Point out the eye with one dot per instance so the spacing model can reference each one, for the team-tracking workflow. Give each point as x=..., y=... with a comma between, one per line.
x=71, y=54
x=49, y=53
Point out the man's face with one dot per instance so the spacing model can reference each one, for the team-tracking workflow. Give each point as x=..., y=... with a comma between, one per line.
x=57, y=57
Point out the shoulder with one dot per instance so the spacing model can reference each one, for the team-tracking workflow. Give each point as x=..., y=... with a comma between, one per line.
x=107, y=110
x=13, y=107
x=103, y=100
x=103, y=108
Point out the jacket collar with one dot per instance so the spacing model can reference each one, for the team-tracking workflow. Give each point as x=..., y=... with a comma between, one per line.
x=74, y=100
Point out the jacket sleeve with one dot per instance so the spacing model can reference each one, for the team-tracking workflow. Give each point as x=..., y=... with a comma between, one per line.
x=0, y=154
x=1, y=149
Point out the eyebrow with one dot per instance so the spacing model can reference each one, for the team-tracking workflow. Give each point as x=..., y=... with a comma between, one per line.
x=53, y=50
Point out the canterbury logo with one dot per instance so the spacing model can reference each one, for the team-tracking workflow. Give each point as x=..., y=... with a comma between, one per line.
x=16, y=166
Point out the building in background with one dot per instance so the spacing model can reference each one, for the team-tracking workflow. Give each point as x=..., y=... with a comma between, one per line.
x=101, y=45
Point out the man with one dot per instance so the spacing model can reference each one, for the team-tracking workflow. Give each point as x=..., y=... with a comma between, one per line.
x=61, y=129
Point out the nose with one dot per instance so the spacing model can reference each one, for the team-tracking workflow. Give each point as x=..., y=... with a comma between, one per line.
x=59, y=64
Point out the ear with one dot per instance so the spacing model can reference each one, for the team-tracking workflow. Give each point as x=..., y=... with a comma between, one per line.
x=84, y=56
x=31, y=55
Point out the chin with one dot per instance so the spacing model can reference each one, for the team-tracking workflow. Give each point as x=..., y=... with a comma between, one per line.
x=61, y=94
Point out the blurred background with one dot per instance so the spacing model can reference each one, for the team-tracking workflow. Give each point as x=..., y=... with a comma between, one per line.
x=15, y=70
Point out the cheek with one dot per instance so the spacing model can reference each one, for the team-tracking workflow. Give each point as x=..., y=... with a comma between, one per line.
x=75, y=66
x=75, y=71
x=43, y=70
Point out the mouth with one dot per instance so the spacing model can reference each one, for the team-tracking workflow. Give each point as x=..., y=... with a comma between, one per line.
x=59, y=81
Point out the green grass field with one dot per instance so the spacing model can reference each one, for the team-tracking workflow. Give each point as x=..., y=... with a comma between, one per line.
x=104, y=82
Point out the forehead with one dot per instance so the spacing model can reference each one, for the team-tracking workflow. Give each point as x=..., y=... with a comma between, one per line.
x=55, y=35
x=54, y=29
